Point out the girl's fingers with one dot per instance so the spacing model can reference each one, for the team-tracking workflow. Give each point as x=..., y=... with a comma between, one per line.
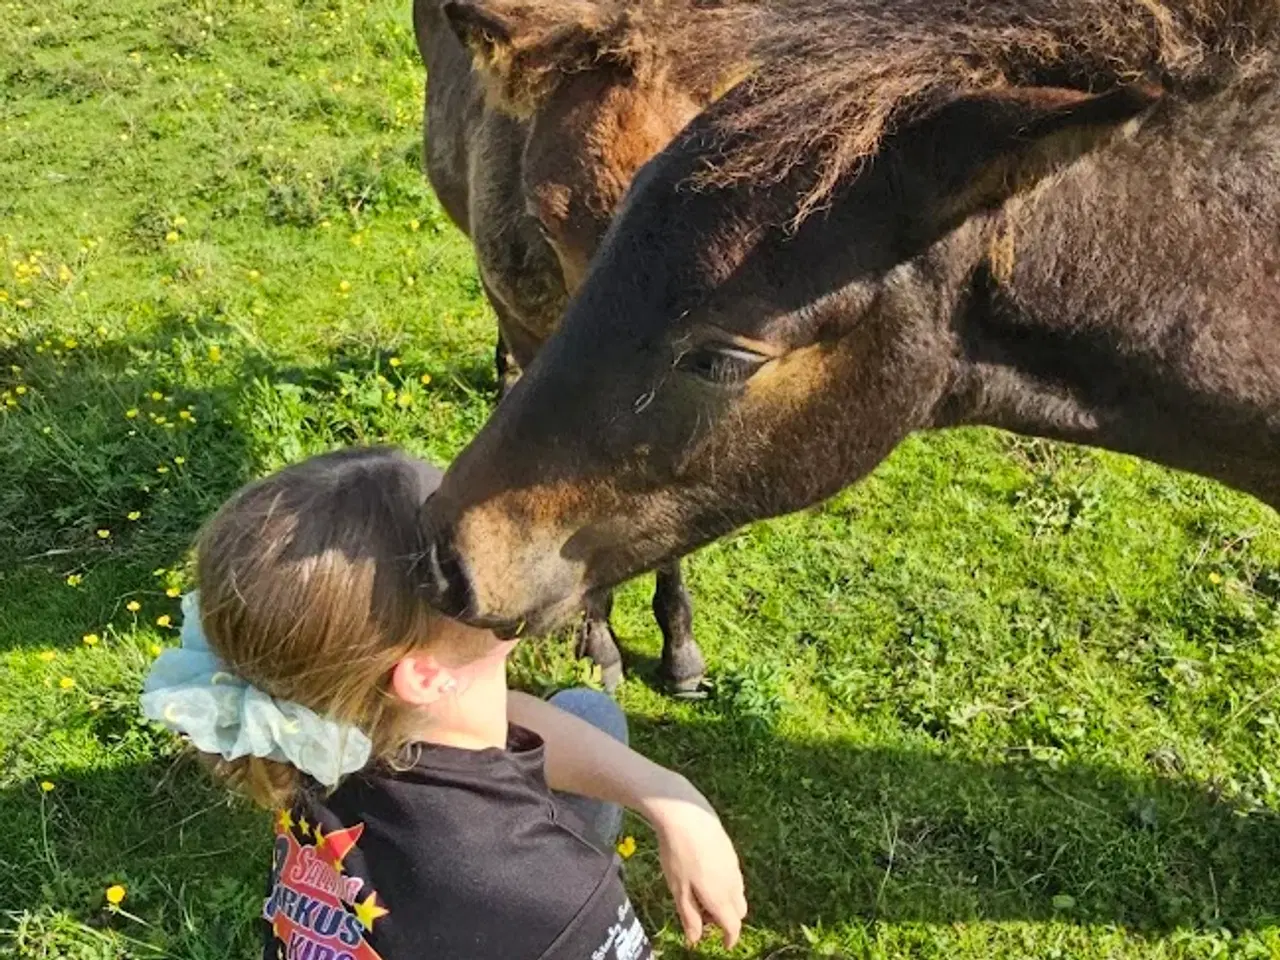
x=690, y=916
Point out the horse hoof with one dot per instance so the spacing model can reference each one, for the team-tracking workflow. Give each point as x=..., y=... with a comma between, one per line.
x=611, y=677
x=692, y=688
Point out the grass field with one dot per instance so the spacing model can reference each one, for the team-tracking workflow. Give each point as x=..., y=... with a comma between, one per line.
x=1004, y=699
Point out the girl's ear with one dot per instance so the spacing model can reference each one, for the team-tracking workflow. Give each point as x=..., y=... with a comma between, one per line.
x=419, y=679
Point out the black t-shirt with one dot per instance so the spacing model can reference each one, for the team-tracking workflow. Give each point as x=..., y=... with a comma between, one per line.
x=466, y=855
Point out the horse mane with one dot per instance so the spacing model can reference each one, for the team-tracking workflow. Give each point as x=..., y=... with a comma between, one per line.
x=837, y=76
x=827, y=80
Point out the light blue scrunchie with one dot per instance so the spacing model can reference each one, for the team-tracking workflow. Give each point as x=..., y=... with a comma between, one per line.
x=192, y=692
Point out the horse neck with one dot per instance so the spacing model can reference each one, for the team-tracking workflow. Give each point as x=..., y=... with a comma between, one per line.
x=1133, y=301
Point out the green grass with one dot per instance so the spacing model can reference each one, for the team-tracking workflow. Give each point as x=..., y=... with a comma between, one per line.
x=1004, y=699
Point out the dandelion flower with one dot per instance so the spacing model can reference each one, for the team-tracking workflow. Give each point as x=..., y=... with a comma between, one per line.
x=116, y=894
x=47, y=656
x=66, y=683
x=395, y=361
x=47, y=786
x=215, y=354
x=163, y=620
x=135, y=515
x=344, y=286
x=171, y=236
x=404, y=400
x=184, y=415
x=91, y=639
x=173, y=592
x=74, y=580
x=71, y=343
x=162, y=469
x=254, y=275
x=20, y=389
x=104, y=534
x=133, y=606
x=627, y=847
x=156, y=649
x=414, y=224
x=424, y=379
x=179, y=460
x=325, y=224
x=131, y=413
x=1215, y=578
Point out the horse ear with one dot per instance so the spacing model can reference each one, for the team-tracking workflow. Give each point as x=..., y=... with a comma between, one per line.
x=483, y=28
x=520, y=47
x=986, y=147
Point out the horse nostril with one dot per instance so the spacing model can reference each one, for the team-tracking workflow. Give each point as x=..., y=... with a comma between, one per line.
x=443, y=578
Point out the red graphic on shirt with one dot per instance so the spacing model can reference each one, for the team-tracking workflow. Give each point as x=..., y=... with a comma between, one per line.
x=315, y=910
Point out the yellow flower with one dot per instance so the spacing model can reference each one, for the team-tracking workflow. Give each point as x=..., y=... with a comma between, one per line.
x=74, y=580
x=395, y=361
x=179, y=221
x=133, y=606
x=1215, y=578
x=131, y=413
x=414, y=224
x=64, y=273
x=215, y=354
x=71, y=343
x=171, y=236
x=104, y=533
x=424, y=379
x=47, y=786
x=173, y=592
x=626, y=847
x=102, y=331
x=163, y=620
x=157, y=395
x=46, y=655
x=404, y=400
x=162, y=469
x=156, y=649
x=91, y=639
x=116, y=894
x=135, y=514
x=20, y=389
x=184, y=415
x=179, y=460
x=344, y=286
x=66, y=683
x=325, y=224
x=254, y=275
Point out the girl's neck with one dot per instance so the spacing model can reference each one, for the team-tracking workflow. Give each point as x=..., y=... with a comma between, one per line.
x=473, y=716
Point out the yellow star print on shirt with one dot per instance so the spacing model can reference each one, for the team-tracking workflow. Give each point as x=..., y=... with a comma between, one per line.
x=304, y=826
x=367, y=911
x=285, y=821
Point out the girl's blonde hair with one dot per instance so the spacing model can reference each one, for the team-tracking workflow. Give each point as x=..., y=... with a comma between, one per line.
x=307, y=592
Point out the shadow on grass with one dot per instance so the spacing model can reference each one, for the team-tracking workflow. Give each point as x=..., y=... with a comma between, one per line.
x=193, y=865
x=828, y=831
x=831, y=830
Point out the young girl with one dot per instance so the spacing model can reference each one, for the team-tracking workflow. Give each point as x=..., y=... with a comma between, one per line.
x=416, y=816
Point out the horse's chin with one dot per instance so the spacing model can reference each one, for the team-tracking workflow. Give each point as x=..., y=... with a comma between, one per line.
x=533, y=625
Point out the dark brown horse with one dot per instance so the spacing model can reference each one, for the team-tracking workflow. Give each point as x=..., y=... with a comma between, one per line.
x=1059, y=217
x=538, y=113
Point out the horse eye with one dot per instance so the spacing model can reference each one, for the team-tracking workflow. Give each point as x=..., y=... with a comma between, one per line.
x=720, y=364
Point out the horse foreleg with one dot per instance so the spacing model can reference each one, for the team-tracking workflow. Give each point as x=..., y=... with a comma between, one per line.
x=682, y=665
x=596, y=641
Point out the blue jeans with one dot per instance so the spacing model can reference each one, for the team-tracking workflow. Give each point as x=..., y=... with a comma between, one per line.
x=602, y=712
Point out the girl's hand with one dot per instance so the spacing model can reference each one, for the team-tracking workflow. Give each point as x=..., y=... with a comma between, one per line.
x=698, y=861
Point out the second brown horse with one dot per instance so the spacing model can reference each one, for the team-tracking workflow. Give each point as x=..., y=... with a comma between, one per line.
x=537, y=116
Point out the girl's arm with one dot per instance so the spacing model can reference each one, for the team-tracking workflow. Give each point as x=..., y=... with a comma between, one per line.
x=698, y=859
